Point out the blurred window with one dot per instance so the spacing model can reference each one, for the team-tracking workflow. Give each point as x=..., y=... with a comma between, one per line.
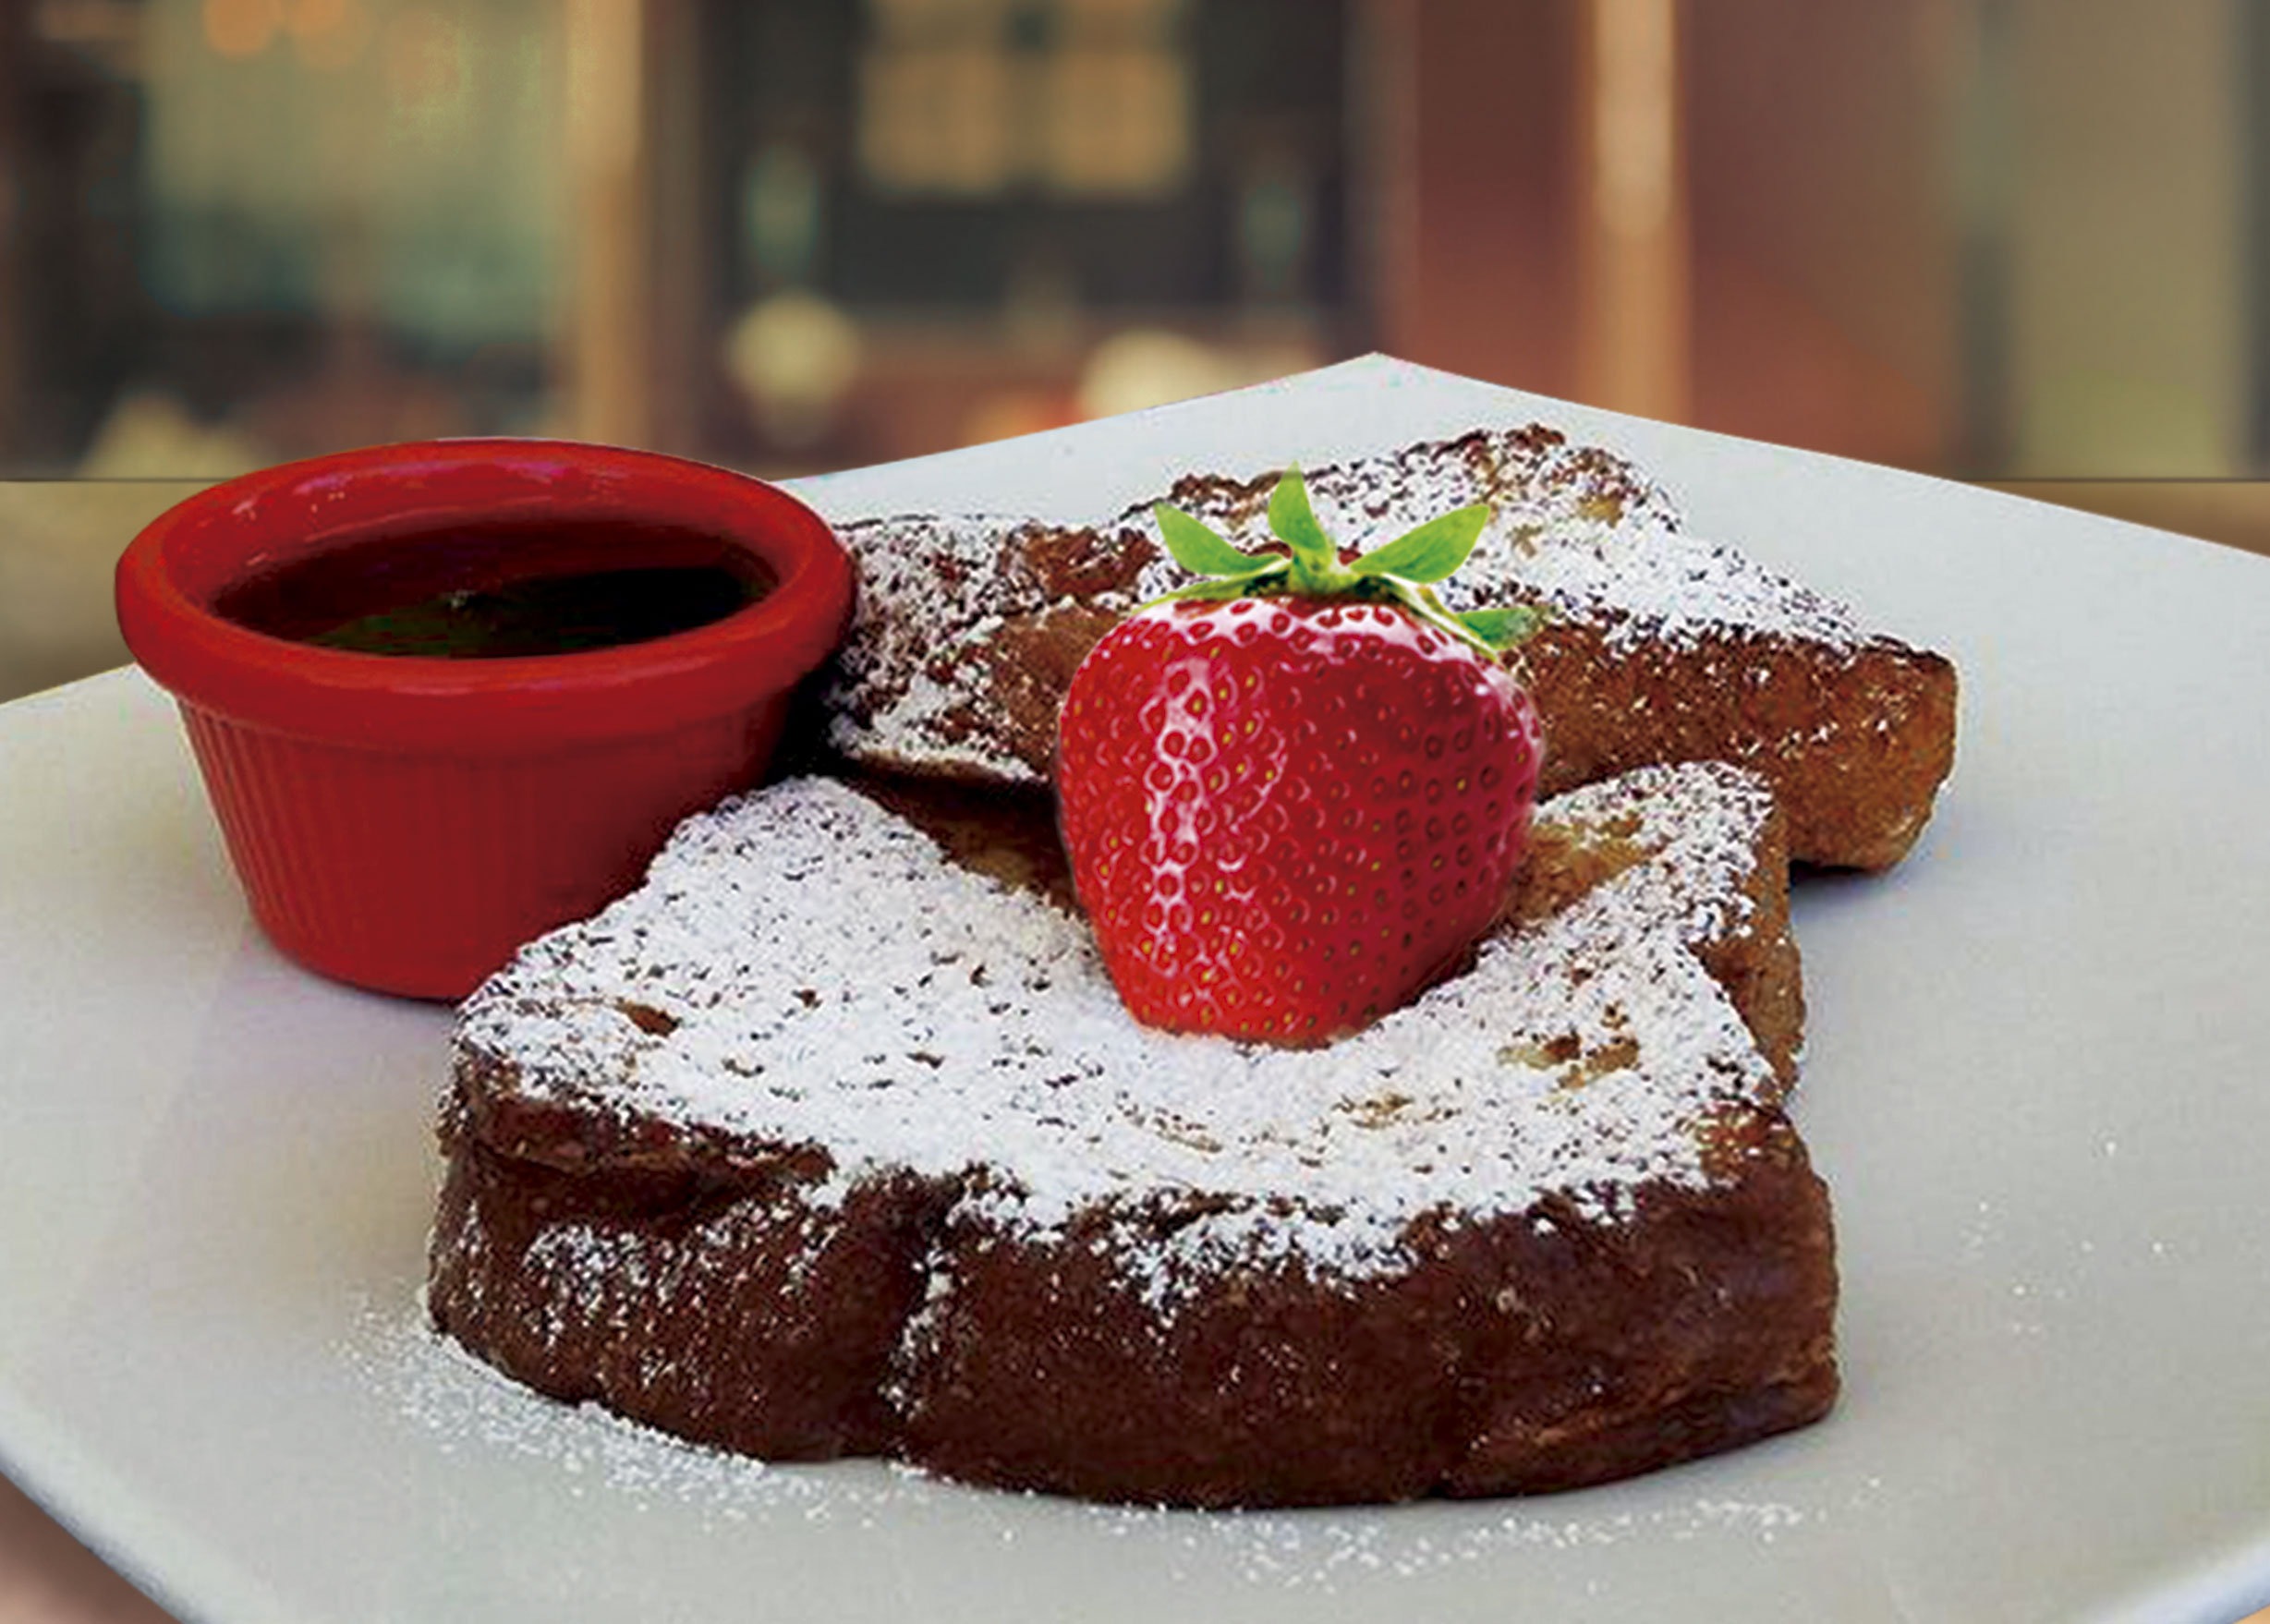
x=940, y=154
x=260, y=228
x=946, y=219
x=244, y=230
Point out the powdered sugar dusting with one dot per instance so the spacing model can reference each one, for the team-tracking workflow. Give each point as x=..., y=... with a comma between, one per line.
x=913, y=679
x=463, y=1404
x=1570, y=527
x=457, y=1405
x=460, y=1405
x=803, y=968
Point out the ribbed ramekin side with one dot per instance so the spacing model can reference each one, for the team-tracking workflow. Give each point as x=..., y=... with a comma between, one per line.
x=421, y=875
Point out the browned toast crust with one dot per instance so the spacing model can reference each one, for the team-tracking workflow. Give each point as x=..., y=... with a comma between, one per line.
x=1855, y=742
x=734, y=1280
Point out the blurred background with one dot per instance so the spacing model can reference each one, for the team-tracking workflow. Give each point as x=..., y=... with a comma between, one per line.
x=2000, y=239
x=1982, y=237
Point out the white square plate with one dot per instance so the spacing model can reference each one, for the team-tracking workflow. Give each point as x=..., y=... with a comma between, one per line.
x=2036, y=1082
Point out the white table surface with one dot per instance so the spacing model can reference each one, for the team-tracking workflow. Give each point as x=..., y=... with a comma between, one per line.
x=2038, y=1081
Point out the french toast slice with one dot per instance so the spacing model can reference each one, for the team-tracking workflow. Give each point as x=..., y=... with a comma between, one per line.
x=833, y=1139
x=1660, y=647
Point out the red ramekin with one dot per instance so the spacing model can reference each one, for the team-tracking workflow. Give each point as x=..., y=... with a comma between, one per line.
x=404, y=823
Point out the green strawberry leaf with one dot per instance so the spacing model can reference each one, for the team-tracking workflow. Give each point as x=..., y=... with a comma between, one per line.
x=1199, y=549
x=1226, y=587
x=1431, y=552
x=1502, y=628
x=1296, y=522
x=1399, y=571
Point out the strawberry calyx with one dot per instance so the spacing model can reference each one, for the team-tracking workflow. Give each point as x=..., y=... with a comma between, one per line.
x=1403, y=572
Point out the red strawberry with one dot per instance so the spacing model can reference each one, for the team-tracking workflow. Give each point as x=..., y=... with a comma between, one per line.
x=1294, y=795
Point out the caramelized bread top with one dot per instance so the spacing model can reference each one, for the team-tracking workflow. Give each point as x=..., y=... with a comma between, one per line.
x=807, y=987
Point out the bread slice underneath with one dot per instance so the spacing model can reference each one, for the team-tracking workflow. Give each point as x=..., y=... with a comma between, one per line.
x=1661, y=645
